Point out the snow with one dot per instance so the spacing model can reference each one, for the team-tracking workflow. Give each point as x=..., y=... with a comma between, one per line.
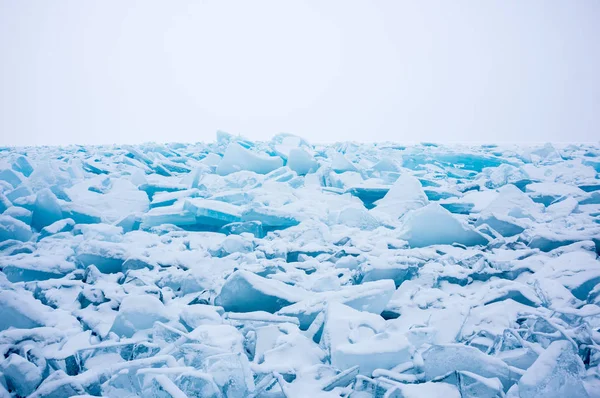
x=285, y=269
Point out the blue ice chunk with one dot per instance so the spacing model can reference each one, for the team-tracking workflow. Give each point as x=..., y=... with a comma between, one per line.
x=590, y=187
x=130, y=223
x=15, y=312
x=232, y=373
x=64, y=225
x=22, y=165
x=161, y=386
x=4, y=203
x=399, y=270
x=406, y=194
x=46, y=209
x=369, y=296
x=469, y=161
x=212, y=213
x=340, y=164
x=20, y=213
x=80, y=213
x=59, y=385
x=357, y=217
x=174, y=215
x=458, y=207
x=558, y=372
x=238, y=158
x=60, y=192
x=271, y=218
x=151, y=188
x=18, y=192
x=244, y=291
x=592, y=199
x=11, y=228
x=386, y=164
x=504, y=225
x=196, y=383
x=472, y=385
x=108, y=257
x=368, y=195
x=440, y=360
x=96, y=168
x=138, y=312
x=22, y=376
x=438, y=194
x=434, y=225
x=11, y=177
x=301, y=161
x=521, y=358
x=169, y=198
x=380, y=351
x=252, y=227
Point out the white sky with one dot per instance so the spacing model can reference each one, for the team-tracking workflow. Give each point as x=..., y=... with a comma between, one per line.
x=90, y=72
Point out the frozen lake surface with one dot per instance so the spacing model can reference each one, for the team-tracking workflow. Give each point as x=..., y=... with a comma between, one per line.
x=285, y=269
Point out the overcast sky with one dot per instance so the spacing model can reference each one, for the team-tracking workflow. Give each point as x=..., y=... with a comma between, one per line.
x=90, y=72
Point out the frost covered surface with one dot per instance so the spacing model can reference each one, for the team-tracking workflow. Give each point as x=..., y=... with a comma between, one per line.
x=285, y=269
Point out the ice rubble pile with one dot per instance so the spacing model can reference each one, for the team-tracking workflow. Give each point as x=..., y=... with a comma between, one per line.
x=285, y=269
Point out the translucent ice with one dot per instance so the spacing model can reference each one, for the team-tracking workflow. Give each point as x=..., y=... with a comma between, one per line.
x=11, y=228
x=300, y=161
x=245, y=292
x=138, y=313
x=406, y=194
x=440, y=360
x=22, y=376
x=380, y=351
x=434, y=225
x=370, y=296
x=46, y=209
x=238, y=158
x=558, y=372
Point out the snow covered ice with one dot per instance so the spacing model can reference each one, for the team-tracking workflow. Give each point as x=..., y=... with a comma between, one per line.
x=285, y=269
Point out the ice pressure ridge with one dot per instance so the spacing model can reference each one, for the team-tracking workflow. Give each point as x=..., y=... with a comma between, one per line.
x=285, y=269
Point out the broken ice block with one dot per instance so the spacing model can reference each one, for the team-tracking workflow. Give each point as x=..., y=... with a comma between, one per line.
x=434, y=225
x=236, y=228
x=344, y=324
x=22, y=376
x=300, y=161
x=472, y=385
x=138, y=313
x=231, y=373
x=26, y=267
x=212, y=213
x=406, y=194
x=380, y=351
x=238, y=158
x=198, y=384
x=558, y=372
x=271, y=218
x=22, y=165
x=10, y=177
x=46, y=209
x=370, y=297
x=175, y=214
x=64, y=225
x=108, y=257
x=440, y=360
x=11, y=228
x=340, y=164
x=244, y=291
x=357, y=217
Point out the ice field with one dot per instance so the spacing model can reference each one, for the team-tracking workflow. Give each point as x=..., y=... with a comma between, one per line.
x=285, y=269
